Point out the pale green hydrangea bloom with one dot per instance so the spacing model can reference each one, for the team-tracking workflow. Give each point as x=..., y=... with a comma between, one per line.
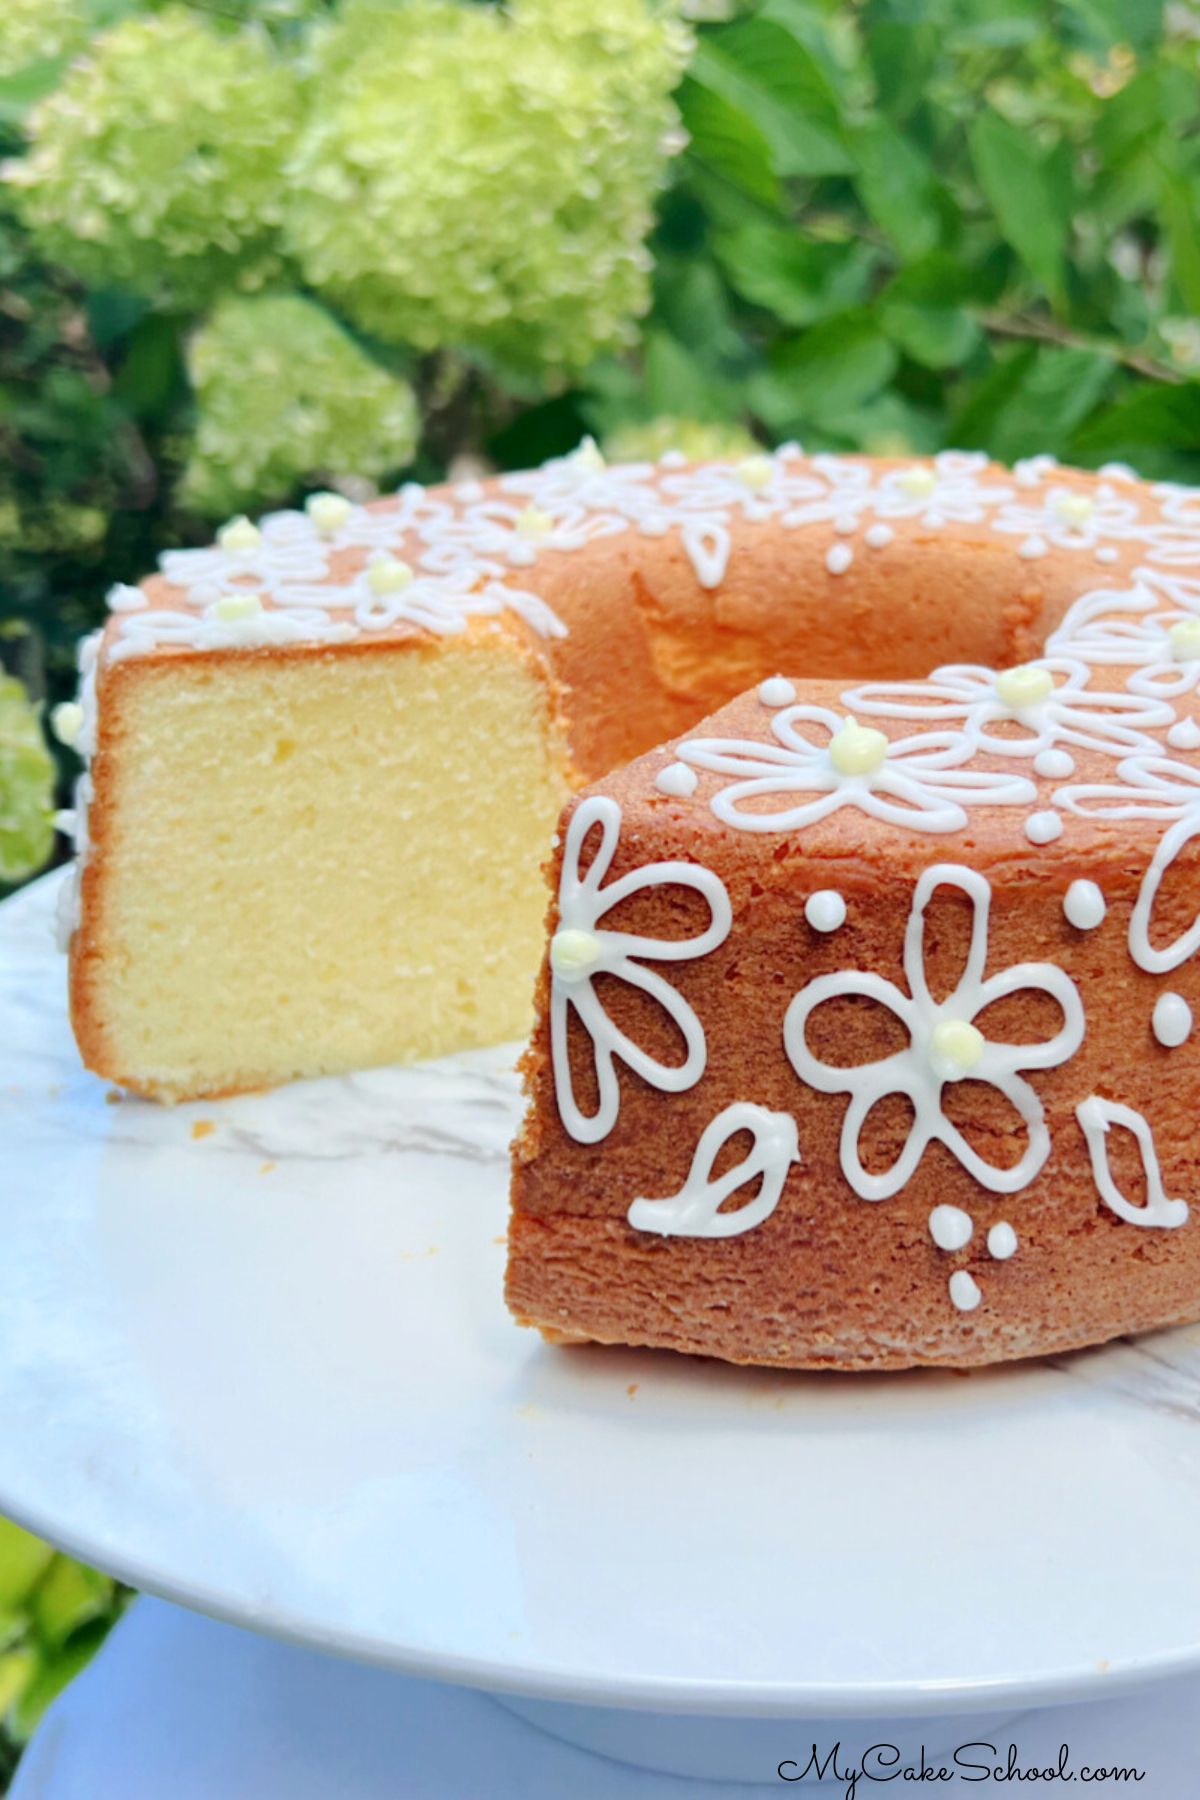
x=33, y=31
x=700, y=441
x=157, y=165
x=485, y=180
x=26, y=786
x=284, y=395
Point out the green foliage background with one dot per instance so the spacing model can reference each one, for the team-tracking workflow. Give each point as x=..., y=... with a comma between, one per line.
x=892, y=226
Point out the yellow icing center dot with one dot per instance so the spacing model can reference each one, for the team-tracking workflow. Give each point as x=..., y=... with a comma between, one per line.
x=388, y=575
x=239, y=534
x=231, y=607
x=918, y=482
x=857, y=749
x=533, y=522
x=574, y=954
x=66, y=722
x=1074, y=509
x=756, y=472
x=328, y=512
x=1024, y=686
x=955, y=1048
x=1184, y=639
x=590, y=456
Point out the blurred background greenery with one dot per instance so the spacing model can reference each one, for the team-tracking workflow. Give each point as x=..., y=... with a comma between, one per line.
x=249, y=247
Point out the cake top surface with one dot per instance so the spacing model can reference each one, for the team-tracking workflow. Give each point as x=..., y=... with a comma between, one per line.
x=429, y=559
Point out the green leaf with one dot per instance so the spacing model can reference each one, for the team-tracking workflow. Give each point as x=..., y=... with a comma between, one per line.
x=1177, y=200
x=68, y=1596
x=1032, y=400
x=764, y=93
x=727, y=141
x=832, y=369
x=24, y=1559
x=937, y=337
x=1158, y=416
x=791, y=276
x=896, y=186
x=1023, y=196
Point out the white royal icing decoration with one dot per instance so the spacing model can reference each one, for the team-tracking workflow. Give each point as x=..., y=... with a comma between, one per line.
x=1048, y=701
x=776, y=691
x=951, y=1228
x=1184, y=735
x=581, y=949
x=1148, y=787
x=1002, y=1241
x=964, y=1290
x=825, y=910
x=1172, y=1020
x=910, y=781
x=918, y=1071
x=1097, y=1117
x=1084, y=905
x=1043, y=827
x=1054, y=765
x=677, y=780
x=695, y=1211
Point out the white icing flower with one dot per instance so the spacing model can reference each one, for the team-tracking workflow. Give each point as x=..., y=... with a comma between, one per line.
x=1073, y=518
x=1163, y=650
x=1049, y=701
x=912, y=781
x=581, y=949
x=944, y=1045
x=1148, y=787
x=285, y=549
x=948, y=490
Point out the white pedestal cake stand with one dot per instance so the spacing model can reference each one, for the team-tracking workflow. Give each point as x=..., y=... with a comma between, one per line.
x=254, y=1358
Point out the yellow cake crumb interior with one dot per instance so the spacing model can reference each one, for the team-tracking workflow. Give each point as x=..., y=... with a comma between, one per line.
x=324, y=861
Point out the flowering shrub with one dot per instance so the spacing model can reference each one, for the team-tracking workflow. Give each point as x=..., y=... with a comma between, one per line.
x=472, y=178
x=158, y=164
x=282, y=394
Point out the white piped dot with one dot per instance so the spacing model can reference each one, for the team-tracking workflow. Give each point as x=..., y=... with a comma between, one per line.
x=1002, y=1241
x=964, y=1290
x=846, y=526
x=825, y=910
x=1084, y=905
x=677, y=780
x=1043, y=827
x=1107, y=553
x=123, y=599
x=1184, y=735
x=1172, y=1020
x=777, y=690
x=951, y=1228
x=1054, y=764
x=1031, y=548
x=879, y=536
x=838, y=558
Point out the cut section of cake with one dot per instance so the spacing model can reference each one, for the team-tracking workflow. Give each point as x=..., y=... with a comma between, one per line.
x=852, y=1049
x=304, y=861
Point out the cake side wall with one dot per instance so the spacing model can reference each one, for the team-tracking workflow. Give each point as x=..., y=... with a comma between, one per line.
x=831, y=1278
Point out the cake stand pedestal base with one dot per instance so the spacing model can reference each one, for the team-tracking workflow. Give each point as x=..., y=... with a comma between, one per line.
x=178, y=1707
